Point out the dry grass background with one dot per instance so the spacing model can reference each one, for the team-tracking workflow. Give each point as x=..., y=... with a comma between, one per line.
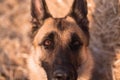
x=15, y=45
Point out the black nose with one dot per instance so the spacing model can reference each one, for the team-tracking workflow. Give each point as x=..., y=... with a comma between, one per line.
x=60, y=75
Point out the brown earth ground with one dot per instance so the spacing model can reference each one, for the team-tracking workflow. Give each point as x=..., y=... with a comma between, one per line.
x=15, y=44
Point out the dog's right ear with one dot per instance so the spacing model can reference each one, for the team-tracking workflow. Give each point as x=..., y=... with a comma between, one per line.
x=38, y=9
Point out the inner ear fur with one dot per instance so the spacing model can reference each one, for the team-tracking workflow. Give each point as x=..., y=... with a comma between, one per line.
x=39, y=10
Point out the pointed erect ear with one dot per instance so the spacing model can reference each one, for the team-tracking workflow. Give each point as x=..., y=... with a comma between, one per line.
x=79, y=13
x=38, y=13
x=38, y=10
x=80, y=8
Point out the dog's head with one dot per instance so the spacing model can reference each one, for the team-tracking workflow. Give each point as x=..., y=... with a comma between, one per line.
x=61, y=42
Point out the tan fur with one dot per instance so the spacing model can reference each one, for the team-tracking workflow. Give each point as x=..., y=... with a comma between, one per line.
x=36, y=72
x=87, y=66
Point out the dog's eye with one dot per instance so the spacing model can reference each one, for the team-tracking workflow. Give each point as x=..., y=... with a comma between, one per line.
x=48, y=43
x=75, y=44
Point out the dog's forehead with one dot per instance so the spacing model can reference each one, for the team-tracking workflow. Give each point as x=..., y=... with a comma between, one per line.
x=52, y=25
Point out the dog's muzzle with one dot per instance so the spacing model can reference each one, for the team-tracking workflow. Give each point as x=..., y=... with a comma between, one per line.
x=63, y=73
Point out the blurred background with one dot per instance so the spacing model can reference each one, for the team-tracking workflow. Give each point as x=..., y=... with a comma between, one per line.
x=15, y=30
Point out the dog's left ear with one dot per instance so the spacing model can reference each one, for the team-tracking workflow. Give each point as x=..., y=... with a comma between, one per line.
x=79, y=13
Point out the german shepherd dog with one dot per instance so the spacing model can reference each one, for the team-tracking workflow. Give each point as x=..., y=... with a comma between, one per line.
x=61, y=44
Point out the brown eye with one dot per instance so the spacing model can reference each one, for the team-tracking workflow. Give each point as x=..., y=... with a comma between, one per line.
x=75, y=45
x=47, y=42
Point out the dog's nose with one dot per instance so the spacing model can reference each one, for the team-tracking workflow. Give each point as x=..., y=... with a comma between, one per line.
x=60, y=75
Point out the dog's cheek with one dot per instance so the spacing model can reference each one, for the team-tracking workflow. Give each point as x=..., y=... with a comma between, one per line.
x=40, y=53
x=84, y=54
x=34, y=67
